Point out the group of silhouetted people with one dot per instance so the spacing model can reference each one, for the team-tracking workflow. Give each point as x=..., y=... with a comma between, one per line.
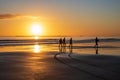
x=62, y=42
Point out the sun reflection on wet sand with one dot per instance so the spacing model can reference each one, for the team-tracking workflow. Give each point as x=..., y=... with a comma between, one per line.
x=37, y=48
x=36, y=37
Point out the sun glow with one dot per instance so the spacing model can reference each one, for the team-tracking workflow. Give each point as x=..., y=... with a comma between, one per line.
x=36, y=37
x=37, y=48
x=36, y=29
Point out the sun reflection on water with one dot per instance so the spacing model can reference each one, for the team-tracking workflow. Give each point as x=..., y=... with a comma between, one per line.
x=36, y=37
x=37, y=48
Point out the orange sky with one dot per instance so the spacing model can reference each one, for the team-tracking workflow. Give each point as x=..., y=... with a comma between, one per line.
x=63, y=18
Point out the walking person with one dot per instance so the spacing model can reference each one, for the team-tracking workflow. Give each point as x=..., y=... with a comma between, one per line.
x=70, y=43
x=96, y=42
x=64, y=44
x=60, y=42
x=70, y=47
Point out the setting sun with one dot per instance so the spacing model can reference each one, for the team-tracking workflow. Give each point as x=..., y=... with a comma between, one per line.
x=36, y=29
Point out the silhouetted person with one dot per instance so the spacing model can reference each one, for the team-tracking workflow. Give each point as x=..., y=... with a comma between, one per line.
x=70, y=43
x=60, y=42
x=96, y=42
x=70, y=49
x=64, y=42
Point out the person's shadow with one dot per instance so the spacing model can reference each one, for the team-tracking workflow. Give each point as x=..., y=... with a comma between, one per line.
x=96, y=49
x=60, y=50
x=70, y=51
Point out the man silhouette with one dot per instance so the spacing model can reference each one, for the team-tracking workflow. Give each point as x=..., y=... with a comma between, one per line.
x=70, y=43
x=96, y=42
x=64, y=45
x=60, y=42
x=64, y=42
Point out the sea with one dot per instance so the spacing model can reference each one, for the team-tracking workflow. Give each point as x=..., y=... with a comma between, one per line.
x=81, y=45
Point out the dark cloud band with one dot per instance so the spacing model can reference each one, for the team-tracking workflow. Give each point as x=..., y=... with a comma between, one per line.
x=9, y=16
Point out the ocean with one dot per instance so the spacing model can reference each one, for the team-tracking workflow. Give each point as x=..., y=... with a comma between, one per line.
x=81, y=45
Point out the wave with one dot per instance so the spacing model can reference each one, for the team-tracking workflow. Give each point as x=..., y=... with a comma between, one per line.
x=77, y=47
x=28, y=41
x=73, y=47
x=100, y=40
x=7, y=42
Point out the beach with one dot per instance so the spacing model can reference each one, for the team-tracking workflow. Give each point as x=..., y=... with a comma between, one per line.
x=58, y=66
x=43, y=59
x=59, y=39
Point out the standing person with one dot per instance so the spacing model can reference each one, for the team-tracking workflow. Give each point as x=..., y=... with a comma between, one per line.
x=70, y=47
x=64, y=45
x=70, y=43
x=64, y=42
x=60, y=42
x=96, y=42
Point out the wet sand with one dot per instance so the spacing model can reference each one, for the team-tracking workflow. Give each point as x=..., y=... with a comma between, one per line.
x=58, y=66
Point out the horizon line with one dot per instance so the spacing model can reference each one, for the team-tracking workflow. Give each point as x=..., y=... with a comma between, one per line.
x=59, y=36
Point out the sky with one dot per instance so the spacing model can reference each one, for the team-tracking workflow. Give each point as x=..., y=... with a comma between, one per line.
x=60, y=17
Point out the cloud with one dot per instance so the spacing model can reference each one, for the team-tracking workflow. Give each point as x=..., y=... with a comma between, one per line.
x=16, y=16
x=8, y=16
